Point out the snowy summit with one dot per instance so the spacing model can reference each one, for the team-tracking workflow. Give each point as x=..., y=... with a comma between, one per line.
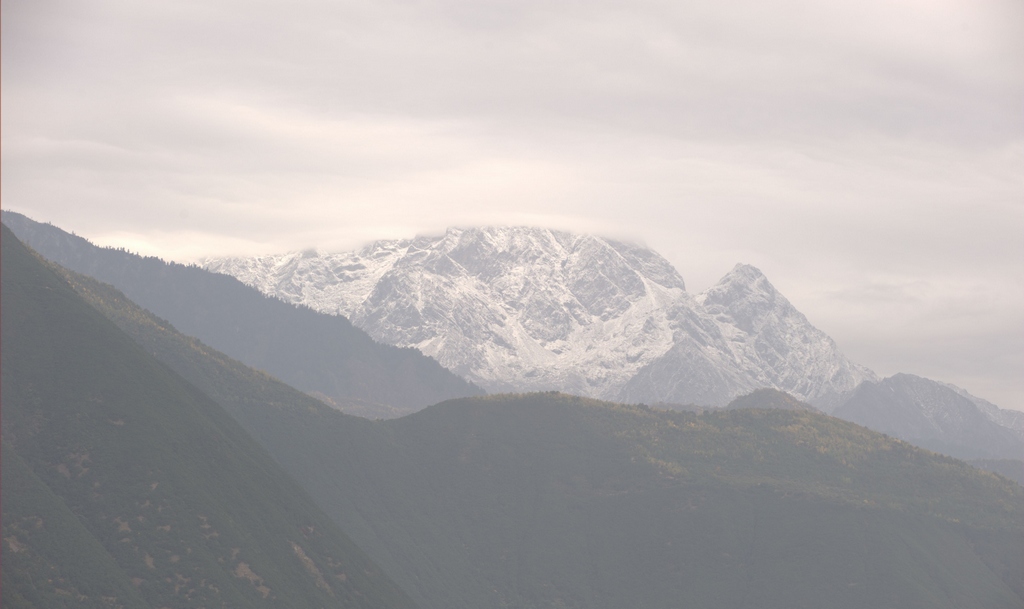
x=535, y=309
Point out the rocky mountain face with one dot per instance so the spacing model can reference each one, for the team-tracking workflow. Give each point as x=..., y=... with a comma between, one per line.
x=534, y=309
x=755, y=339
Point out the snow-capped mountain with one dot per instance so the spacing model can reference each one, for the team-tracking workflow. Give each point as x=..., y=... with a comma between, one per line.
x=534, y=309
x=756, y=339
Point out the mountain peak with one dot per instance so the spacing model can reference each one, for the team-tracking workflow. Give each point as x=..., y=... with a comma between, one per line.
x=750, y=275
x=745, y=292
x=747, y=271
x=531, y=309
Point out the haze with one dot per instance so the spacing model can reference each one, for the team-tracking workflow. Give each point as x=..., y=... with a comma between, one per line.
x=866, y=156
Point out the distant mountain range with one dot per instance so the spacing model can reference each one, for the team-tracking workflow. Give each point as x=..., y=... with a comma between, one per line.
x=935, y=416
x=537, y=500
x=517, y=309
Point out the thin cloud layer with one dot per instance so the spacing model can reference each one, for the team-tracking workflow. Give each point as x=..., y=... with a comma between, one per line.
x=865, y=155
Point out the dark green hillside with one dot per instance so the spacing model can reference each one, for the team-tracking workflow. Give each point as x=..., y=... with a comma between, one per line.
x=1012, y=469
x=548, y=500
x=595, y=504
x=123, y=485
x=45, y=542
x=317, y=353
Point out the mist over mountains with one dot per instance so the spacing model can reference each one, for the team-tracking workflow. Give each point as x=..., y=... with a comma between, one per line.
x=507, y=403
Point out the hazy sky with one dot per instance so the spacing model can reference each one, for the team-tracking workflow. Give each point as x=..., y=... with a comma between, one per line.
x=868, y=156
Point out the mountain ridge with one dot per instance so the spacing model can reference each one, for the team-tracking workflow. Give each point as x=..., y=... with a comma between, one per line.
x=524, y=309
x=933, y=415
x=736, y=337
x=321, y=354
x=535, y=309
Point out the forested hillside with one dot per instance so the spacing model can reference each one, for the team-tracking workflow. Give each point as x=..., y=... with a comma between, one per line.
x=125, y=486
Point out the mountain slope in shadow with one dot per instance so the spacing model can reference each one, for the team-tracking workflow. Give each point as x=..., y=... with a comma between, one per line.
x=124, y=485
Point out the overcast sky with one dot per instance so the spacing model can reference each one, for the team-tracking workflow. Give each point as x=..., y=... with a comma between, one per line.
x=868, y=156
